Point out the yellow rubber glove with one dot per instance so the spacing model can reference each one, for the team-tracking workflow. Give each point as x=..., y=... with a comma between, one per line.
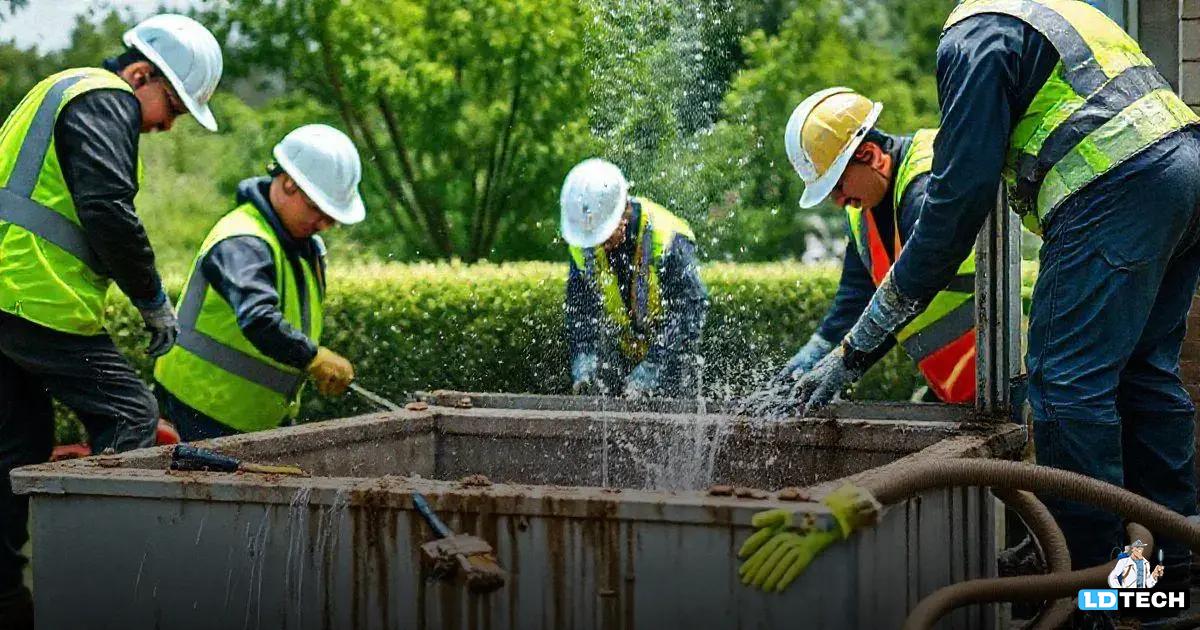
x=330, y=372
x=782, y=549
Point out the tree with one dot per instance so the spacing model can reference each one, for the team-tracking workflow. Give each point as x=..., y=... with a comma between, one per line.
x=467, y=113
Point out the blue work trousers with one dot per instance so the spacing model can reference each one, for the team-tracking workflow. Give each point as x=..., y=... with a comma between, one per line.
x=1118, y=271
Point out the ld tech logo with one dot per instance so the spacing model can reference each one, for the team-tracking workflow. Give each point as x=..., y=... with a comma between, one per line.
x=1132, y=580
x=1129, y=599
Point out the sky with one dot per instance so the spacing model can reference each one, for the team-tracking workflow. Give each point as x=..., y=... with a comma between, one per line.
x=46, y=24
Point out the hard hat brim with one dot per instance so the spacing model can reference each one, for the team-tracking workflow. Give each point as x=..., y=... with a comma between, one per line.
x=202, y=113
x=585, y=240
x=344, y=213
x=816, y=192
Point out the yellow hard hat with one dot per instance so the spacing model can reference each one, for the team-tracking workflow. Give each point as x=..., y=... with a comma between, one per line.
x=823, y=134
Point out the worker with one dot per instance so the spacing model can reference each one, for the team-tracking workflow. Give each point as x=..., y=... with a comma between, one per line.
x=1101, y=157
x=635, y=303
x=880, y=183
x=251, y=311
x=68, y=229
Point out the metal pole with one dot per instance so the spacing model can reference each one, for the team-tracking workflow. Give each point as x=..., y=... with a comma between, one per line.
x=997, y=310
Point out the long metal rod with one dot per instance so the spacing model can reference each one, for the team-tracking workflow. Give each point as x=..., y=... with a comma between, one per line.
x=997, y=310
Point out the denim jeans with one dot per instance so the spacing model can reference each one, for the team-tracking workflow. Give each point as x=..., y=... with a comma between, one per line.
x=1118, y=271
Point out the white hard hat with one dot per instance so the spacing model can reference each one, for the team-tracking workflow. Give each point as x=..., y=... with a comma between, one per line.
x=187, y=54
x=325, y=165
x=822, y=135
x=593, y=200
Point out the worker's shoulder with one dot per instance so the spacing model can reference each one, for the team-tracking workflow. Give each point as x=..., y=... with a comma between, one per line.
x=982, y=32
x=664, y=218
x=104, y=106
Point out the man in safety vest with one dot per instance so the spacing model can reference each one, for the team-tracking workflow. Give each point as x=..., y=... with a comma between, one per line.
x=635, y=303
x=881, y=186
x=1101, y=157
x=68, y=229
x=251, y=312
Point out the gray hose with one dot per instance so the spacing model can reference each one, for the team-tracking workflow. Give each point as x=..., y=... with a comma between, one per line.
x=919, y=477
x=916, y=478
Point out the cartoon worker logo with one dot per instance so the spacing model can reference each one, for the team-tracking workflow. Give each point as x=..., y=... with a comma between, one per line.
x=1133, y=570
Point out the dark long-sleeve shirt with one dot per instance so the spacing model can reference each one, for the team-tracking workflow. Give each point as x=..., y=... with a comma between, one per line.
x=685, y=300
x=242, y=271
x=856, y=287
x=989, y=67
x=96, y=141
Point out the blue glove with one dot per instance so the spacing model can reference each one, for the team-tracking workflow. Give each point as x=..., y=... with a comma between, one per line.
x=584, y=367
x=888, y=311
x=812, y=351
x=644, y=379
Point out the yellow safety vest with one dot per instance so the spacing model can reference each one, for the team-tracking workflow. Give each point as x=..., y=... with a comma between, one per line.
x=636, y=322
x=49, y=274
x=1103, y=103
x=214, y=368
x=942, y=338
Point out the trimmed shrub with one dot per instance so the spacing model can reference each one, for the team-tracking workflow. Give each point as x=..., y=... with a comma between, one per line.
x=488, y=327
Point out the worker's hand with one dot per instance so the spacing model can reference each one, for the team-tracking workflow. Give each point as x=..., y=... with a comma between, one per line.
x=825, y=380
x=643, y=380
x=584, y=368
x=803, y=361
x=330, y=372
x=163, y=328
x=1158, y=571
x=782, y=549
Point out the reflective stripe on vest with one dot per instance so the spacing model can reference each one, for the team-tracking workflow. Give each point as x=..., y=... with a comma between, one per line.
x=228, y=358
x=657, y=229
x=1103, y=104
x=18, y=208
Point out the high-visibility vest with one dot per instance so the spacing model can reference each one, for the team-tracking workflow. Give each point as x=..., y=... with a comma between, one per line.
x=213, y=368
x=942, y=338
x=636, y=323
x=49, y=274
x=1103, y=103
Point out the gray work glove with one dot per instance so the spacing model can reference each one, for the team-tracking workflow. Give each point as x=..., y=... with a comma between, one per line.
x=162, y=326
x=643, y=380
x=888, y=311
x=584, y=368
x=803, y=361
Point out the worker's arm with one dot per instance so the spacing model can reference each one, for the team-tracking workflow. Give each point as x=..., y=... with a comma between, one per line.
x=853, y=293
x=583, y=314
x=988, y=69
x=96, y=140
x=242, y=271
x=685, y=303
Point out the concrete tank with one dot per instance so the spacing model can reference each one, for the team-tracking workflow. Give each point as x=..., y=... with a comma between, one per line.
x=598, y=509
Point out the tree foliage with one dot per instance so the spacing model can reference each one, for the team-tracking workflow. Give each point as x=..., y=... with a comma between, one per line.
x=467, y=113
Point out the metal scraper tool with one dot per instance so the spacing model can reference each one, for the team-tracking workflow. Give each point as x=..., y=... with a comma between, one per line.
x=374, y=398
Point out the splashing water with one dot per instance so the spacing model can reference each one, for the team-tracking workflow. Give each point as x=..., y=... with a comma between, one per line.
x=297, y=534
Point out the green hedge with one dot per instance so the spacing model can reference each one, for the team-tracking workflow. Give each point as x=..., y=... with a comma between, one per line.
x=491, y=327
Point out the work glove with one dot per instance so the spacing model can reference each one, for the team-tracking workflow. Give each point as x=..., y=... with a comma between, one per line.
x=803, y=361
x=644, y=379
x=782, y=549
x=584, y=368
x=888, y=311
x=163, y=327
x=330, y=372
